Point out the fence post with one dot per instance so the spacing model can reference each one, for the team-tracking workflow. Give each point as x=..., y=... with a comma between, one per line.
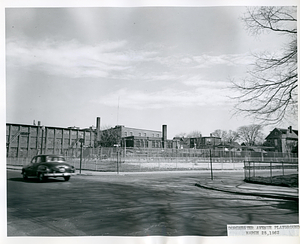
x=117, y=161
x=211, y=171
x=245, y=170
x=81, y=140
x=271, y=171
x=249, y=166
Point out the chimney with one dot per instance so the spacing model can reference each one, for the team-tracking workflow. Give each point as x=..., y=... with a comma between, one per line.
x=164, y=136
x=98, y=129
x=39, y=123
x=290, y=129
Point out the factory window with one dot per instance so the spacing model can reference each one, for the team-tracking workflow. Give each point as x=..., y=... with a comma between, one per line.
x=131, y=133
x=140, y=134
x=157, y=135
x=145, y=134
x=125, y=133
x=153, y=144
x=138, y=143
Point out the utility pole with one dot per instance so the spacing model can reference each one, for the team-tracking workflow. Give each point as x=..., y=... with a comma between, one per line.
x=43, y=129
x=117, y=160
x=81, y=140
x=211, y=171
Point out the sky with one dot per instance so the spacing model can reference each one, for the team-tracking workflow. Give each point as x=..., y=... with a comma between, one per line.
x=141, y=67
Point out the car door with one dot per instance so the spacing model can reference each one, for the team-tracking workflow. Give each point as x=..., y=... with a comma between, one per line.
x=36, y=164
x=29, y=168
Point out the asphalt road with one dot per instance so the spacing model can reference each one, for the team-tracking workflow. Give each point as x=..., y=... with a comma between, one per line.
x=167, y=204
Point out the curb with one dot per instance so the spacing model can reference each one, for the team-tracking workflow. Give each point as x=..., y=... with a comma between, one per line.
x=249, y=193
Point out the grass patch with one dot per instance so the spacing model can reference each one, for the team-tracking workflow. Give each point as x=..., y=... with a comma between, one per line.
x=282, y=180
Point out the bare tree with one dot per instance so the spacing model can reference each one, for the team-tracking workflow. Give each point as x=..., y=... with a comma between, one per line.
x=194, y=134
x=269, y=91
x=251, y=134
x=109, y=137
x=232, y=136
x=221, y=134
x=226, y=136
x=182, y=134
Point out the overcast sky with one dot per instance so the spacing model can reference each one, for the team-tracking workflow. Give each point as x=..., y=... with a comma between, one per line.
x=138, y=67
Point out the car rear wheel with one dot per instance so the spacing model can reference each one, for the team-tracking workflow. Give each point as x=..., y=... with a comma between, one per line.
x=66, y=178
x=41, y=177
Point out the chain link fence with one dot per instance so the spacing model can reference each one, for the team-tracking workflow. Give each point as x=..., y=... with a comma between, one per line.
x=272, y=172
x=115, y=159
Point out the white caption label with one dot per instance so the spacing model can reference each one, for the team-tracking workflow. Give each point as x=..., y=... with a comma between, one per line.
x=263, y=230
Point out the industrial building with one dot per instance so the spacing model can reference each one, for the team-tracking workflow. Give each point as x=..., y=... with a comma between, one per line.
x=25, y=140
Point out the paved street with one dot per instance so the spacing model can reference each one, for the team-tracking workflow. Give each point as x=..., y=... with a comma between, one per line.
x=166, y=204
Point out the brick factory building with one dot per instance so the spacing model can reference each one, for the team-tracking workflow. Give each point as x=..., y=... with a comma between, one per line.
x=22, y=140
x=27, y=140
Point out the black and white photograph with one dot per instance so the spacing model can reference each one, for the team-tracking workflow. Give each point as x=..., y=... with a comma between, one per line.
x=151, y=121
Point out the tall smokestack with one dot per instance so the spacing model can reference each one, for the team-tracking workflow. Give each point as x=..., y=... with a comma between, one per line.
x=290, y=129
x=164, y=136
x=98, y=129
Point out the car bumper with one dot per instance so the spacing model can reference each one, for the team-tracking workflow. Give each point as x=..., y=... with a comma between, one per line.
x=58, y=174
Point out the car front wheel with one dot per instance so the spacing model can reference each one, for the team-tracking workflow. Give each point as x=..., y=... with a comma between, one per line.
x=25, y=177
x=66, y=178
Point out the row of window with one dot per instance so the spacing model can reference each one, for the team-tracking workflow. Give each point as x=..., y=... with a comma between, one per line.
x=140, y=134
x=141, y=143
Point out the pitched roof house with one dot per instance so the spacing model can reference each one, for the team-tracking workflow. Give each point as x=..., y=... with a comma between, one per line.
x=283, y=140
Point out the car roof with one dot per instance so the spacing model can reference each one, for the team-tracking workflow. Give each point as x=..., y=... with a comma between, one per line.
x=50, y=155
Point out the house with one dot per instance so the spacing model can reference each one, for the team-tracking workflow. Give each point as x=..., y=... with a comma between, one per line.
x=197, y=142
x=282, y=140
x=182, y=142
x=207, y=142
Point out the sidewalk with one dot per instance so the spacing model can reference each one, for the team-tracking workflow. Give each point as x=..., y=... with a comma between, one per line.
x=253, y=189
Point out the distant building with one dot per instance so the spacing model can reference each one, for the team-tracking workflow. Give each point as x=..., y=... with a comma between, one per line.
x=206, y=142
x=140, y=138
x=197, y=142
x=24, y=140
x=181, y=142
x=123, y=132
x=28, y=140
x=282, y=140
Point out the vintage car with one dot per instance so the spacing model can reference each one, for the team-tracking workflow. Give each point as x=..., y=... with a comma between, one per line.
x=44, y=166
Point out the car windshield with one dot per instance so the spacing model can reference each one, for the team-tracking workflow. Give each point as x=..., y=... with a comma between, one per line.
x=54, y=159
